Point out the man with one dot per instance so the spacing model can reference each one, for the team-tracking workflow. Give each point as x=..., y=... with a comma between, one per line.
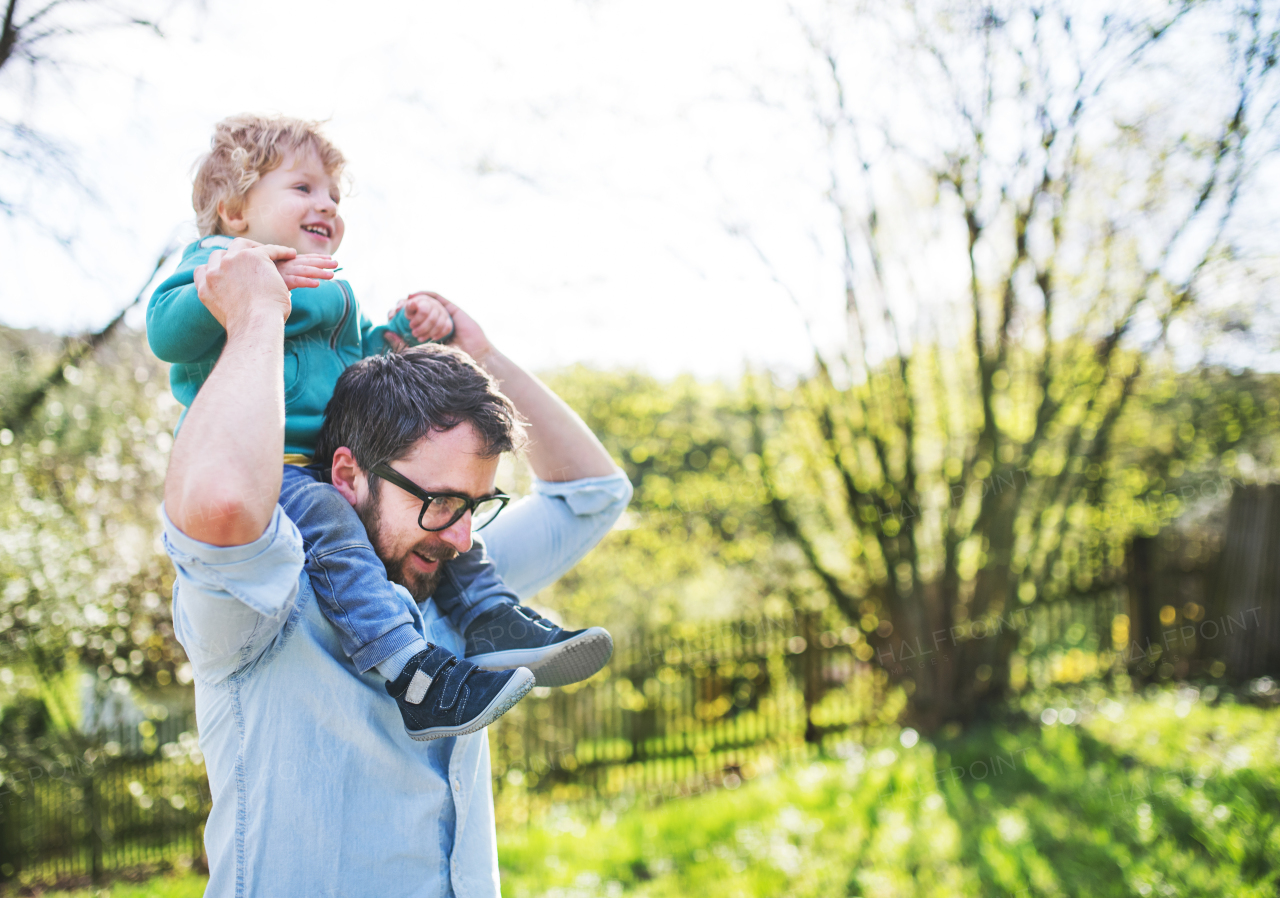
x=315, y=789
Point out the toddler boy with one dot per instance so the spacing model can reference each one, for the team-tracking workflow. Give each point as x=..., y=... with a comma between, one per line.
x=276, y=181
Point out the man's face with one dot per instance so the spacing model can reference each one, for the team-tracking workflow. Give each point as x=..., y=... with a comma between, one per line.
x=444, y=462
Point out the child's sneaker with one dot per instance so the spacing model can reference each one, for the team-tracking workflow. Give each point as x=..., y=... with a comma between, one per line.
x=516, y=636
x=441, y=696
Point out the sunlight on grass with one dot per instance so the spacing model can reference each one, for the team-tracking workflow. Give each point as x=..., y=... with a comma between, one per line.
x=187, y=885
x=1141, y=797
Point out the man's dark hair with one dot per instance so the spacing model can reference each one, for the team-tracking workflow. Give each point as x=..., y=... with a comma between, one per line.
x=385, y=404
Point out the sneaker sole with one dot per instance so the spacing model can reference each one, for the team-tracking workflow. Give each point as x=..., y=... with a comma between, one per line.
x=517, y=688
x=571, y=661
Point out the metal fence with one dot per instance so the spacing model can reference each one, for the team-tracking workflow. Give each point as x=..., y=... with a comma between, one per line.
x=708, y=703
x=137, y=800
x=699, y=705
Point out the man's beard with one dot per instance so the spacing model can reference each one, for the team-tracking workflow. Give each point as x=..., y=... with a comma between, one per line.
x=420, y=584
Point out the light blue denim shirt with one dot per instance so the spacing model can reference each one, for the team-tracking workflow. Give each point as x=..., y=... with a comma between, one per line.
x=317, y=790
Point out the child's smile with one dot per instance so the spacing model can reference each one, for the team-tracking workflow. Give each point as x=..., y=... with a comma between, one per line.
x=293, y=205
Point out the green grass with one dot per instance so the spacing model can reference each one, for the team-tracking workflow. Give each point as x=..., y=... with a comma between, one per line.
x=1136, y=800
x=185, y=885
x=1142, y=797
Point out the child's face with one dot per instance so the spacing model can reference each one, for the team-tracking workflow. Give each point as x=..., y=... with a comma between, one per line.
x=294, y=205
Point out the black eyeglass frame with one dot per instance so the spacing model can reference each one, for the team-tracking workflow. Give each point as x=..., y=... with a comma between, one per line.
x=391, y=475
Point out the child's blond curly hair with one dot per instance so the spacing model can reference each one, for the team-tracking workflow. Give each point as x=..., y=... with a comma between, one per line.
x=245, y=147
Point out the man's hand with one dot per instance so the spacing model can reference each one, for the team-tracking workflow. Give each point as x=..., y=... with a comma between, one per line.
x=307, y=270
x=242, y=282
x=427, y=317
x=561, y=448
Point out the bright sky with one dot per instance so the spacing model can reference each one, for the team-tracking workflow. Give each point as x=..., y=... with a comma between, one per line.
x=566, y=171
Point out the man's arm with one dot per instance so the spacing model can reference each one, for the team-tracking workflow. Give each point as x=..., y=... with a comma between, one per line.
x=224, y=473
x=561, y=448
x=580, y=492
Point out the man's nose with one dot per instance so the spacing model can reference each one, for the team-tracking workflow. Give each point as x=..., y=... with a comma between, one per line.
x=458, y=534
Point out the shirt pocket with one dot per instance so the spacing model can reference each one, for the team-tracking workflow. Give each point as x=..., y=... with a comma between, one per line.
x=295, y=371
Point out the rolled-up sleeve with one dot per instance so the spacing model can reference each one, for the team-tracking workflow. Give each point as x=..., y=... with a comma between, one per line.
x=549, y=531
x=230, y=603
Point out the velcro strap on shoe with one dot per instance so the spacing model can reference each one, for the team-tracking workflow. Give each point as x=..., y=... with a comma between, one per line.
x=418, y=687
x=435, y=661
x=536, y=619
x=453, y=681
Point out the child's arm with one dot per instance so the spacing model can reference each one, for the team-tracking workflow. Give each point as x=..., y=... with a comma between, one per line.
x=418, y=319
x=179, y=327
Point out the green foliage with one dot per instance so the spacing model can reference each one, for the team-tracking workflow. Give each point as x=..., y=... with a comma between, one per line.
x=83, y=579
x=697, y=541
x=83, y=583
x=1188, y=439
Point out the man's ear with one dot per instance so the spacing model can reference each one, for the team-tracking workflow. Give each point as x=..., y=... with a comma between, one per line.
x=346, y=476
x=233, y=220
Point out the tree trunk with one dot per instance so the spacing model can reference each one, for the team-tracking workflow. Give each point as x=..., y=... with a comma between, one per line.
x=1143, y=606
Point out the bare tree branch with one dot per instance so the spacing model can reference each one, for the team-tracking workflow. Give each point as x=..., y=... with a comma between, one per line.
x=77, y=348
x=29, y=156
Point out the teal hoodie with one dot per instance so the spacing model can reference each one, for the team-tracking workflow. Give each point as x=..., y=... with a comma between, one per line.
x=325, y=333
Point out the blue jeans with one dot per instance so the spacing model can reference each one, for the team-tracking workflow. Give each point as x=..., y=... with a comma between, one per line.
x=351, y=584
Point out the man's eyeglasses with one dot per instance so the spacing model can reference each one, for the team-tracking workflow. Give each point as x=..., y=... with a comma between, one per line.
x=440, y=511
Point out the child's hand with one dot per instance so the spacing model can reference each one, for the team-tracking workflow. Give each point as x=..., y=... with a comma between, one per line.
x=427, y=317
x=306, y=270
